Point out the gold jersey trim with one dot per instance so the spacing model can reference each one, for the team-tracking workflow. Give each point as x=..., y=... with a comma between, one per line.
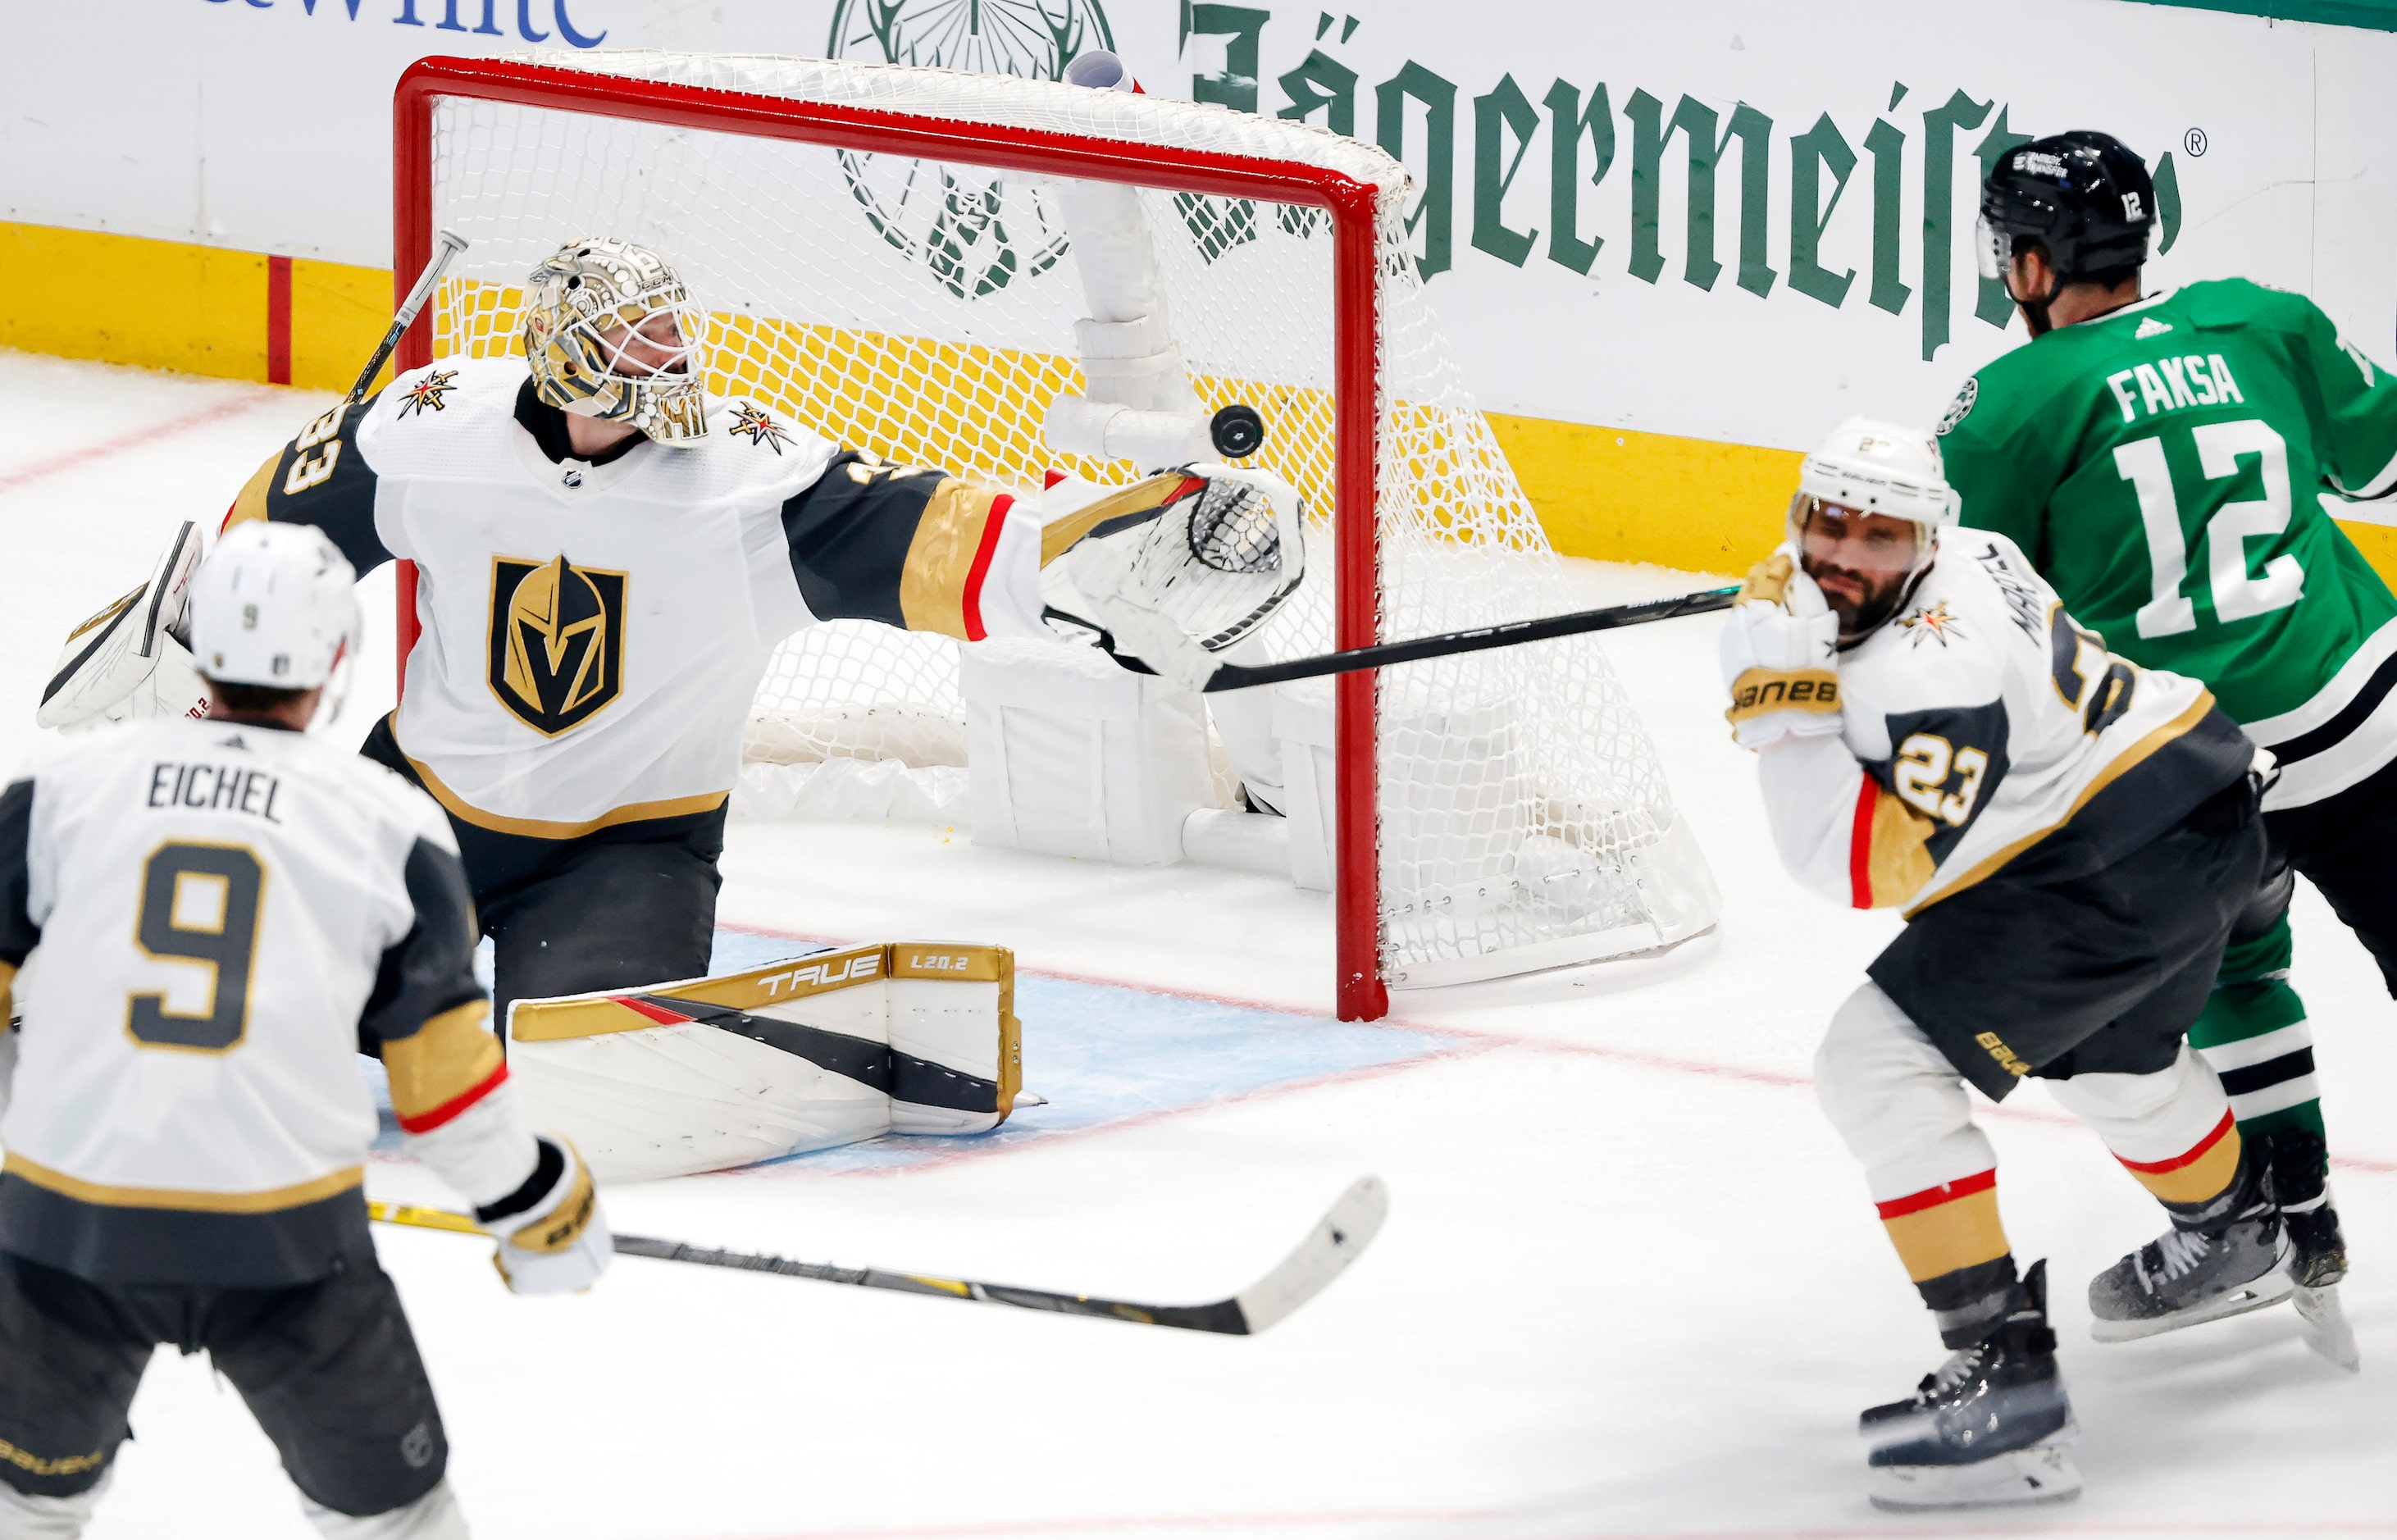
x=451, y=1054
x=185, y=1199
x=250, y=502
x=2129, y=759
x=1139, y=498
x=950, y=535
x=542, y=828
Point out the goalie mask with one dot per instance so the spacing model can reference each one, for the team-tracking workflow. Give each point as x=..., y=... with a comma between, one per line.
x=611, y=334
x=1868, y=467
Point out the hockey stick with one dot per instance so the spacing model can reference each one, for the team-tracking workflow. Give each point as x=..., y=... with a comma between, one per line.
x=447, y=245
x=1448, y=644
x=1344, y=1232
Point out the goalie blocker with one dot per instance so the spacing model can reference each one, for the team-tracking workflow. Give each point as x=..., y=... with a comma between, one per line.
x=799, y=1056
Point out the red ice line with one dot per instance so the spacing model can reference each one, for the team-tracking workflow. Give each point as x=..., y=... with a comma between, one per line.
x=1486, y=1041
x=42, y=470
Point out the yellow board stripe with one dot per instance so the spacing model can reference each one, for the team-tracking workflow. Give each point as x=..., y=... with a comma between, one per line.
x=1615, y=494
x=269, y=1201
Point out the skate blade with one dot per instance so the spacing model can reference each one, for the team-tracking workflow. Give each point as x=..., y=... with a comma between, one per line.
x=2326, y=1330
x=2044, y=1473
x=2255, y=1294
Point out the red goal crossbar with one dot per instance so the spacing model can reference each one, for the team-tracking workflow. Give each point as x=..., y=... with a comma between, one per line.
x=1351, y=204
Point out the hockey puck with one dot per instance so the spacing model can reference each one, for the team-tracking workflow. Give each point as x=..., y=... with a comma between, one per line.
x=1238, y=431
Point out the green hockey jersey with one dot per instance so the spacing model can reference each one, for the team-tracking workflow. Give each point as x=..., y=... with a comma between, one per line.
x=2174, y=468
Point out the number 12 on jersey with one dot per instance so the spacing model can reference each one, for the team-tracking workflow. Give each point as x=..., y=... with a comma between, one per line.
x=2237, y=596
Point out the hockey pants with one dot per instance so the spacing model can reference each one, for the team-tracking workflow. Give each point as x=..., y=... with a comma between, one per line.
x=1902, y=1108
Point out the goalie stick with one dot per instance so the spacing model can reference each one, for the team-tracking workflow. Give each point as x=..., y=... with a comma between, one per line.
x=447, y=245
x=1344, y=1232
x=1446, y=644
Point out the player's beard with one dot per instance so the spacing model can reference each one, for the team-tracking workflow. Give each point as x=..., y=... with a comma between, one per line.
x=1862, y=600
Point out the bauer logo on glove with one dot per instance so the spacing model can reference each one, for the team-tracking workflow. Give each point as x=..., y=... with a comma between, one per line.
x=1780, y=646
x=1759, y=690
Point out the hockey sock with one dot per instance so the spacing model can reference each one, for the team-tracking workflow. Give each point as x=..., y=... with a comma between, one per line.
x=2205, y=1184
x=1955, y=1250
x=2172, y=1129
x=2255, y=1036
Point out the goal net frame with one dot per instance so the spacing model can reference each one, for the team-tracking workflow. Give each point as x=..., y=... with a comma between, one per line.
x=1340, y=182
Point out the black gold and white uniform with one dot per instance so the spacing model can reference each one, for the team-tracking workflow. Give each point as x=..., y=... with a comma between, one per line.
x=2009, y=783
x=594, y=631
x=201, y=923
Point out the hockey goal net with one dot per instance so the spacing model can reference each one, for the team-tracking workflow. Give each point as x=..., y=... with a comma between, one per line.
x=883, y=258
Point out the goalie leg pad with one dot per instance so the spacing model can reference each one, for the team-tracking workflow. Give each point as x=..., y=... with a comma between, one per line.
x=912, y=1037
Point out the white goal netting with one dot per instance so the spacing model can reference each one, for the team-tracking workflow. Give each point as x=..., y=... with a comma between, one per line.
x=925, y=310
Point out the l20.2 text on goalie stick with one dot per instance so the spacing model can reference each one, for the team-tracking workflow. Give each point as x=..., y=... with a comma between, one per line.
x=447, y=244
x=1449, y=643
x=1344, y=1232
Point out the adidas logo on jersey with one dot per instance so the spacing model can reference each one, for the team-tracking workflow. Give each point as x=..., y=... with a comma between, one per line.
x=2151, y=327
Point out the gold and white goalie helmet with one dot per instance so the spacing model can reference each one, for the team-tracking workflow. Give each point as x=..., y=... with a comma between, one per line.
x=611, y=333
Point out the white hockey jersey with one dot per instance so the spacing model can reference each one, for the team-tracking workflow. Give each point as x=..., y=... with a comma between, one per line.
x=1979, y=725
x=593, y=632
x=204, y=923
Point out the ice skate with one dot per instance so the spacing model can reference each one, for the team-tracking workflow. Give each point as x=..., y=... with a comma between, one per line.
x=2297, y=1161
x=2325, y=1330
x=1987, y=1429
x=2185, y=1277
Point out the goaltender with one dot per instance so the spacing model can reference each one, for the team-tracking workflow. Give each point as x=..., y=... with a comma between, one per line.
x=201, y=919
x=2069, y=837
x=602, y=579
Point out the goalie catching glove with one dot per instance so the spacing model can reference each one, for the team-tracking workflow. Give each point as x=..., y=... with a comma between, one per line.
x=1180, y=566
x=553, y=1238
x=129, y=661
x=1780, y=650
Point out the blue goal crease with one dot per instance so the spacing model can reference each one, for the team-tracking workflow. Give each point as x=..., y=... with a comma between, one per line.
x=1099, y=1053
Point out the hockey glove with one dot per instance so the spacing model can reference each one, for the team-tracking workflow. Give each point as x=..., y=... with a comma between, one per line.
x=1184, y=565
x=1780, y=652
x=127, y=661
x=553, y=1238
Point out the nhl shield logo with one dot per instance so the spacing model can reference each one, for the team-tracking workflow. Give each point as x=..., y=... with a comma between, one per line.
x=556, y=641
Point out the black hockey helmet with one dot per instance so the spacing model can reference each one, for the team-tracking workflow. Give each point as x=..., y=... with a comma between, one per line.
x=2082, y=197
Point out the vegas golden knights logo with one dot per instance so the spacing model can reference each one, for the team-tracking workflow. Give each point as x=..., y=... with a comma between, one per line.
x=557, y=641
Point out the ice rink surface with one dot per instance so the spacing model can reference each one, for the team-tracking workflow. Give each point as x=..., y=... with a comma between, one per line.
x=1630, y=1285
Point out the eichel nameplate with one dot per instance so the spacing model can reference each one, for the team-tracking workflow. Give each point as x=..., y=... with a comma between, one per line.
x=556, y=641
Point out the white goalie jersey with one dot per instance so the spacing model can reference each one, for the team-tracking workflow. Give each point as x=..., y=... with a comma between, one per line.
x=594, y=629
x=1979, y=727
